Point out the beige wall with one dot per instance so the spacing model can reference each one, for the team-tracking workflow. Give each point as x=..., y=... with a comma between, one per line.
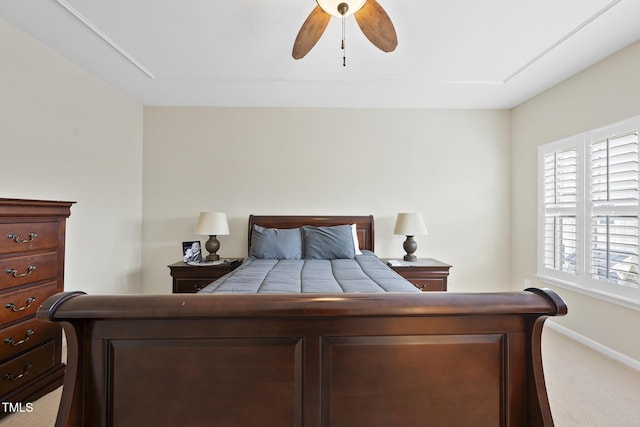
x=66, y=135
x=452, y=165
x=603, y=94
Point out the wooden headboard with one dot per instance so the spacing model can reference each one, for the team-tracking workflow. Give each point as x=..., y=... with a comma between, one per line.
x=364, y=224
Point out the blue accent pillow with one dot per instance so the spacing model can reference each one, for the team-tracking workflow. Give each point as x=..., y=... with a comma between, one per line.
x=276, y=243
x=328, y=242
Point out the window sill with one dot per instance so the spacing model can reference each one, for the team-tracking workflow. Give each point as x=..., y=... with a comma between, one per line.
x=594, y=293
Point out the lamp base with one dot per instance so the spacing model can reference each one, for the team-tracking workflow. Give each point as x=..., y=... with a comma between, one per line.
x=212, y=245
x=410, y=246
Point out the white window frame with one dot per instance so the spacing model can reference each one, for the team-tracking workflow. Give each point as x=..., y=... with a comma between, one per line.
x=582, y=281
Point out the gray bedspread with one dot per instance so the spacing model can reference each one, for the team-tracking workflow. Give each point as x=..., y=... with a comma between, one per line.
x=365, y=273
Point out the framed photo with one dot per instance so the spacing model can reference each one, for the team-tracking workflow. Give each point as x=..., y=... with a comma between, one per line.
x=191, y=251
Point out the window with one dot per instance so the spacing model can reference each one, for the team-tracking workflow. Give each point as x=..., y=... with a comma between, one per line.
x=560, y=201
x=588, y=212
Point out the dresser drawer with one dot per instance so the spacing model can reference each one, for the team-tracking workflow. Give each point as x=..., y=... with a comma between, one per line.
x=27, y=367
x=24, y=237
x=23, y=303
x=28, y=269
x=18, y=338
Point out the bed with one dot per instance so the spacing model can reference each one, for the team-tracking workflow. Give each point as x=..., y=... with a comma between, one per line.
x=324, y=255
x=305, y=358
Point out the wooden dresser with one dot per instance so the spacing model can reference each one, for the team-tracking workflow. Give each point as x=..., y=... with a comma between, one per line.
x=32, y=242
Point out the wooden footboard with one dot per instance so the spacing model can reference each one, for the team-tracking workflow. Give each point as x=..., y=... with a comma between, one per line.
x=436, y=359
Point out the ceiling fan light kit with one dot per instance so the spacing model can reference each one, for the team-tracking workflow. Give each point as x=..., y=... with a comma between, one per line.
x=334, y=7
x=370, y=16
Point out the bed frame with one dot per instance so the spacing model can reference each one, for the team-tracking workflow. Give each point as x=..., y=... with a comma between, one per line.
x=312, y=360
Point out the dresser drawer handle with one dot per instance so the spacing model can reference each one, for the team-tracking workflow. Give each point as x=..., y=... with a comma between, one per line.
x=16, y=239
x=14, y=272
x=11, y=306
x=26, y=338
x=11, y=377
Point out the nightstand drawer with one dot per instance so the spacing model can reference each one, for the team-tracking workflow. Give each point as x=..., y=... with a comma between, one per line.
x=427, y=274
x=430, y=284
x=191, y=278
x=190, y=285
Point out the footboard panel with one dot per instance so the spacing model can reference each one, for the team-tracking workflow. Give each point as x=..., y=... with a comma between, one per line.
x=304, y=360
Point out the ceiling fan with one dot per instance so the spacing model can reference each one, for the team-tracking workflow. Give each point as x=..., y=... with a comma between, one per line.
x=370, y=16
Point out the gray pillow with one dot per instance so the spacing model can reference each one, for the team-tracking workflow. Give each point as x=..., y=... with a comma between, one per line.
x=328, y=242
x=276, y=243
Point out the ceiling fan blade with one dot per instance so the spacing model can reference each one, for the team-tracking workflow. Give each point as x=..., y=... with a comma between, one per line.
x=310, y=32
x=377, y=26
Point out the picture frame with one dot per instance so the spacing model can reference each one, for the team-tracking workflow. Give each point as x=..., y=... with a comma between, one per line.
x=192, y=251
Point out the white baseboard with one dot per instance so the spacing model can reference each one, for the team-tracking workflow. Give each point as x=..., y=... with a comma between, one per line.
x=603, y=349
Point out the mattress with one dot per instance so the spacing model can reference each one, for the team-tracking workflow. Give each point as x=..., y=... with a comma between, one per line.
x=364, y=273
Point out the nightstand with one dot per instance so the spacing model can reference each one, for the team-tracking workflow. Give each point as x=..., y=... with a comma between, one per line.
x=191, y=278
x=427, y=274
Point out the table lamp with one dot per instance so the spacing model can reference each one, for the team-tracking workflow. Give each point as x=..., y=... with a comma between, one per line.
x=212, y=224
x=410, y=224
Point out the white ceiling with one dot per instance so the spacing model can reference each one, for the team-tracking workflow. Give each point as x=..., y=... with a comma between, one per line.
x=451, y=53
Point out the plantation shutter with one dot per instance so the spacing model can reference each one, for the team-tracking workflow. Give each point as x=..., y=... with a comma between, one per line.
x=560, y=205
x=614, y=209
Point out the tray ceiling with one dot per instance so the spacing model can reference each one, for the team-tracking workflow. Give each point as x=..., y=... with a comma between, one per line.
x=451, y=53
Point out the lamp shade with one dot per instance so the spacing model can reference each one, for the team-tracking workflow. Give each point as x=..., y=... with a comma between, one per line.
x=331, y=6
x=212, y=224
x=410, y=224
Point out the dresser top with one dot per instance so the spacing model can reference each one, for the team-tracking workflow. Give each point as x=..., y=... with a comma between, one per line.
x=22, y=207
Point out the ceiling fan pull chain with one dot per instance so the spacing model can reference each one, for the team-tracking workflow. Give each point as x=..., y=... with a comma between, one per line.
x=344, y=51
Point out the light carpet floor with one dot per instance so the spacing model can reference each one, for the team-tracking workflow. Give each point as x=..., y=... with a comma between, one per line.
x=586, y=389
